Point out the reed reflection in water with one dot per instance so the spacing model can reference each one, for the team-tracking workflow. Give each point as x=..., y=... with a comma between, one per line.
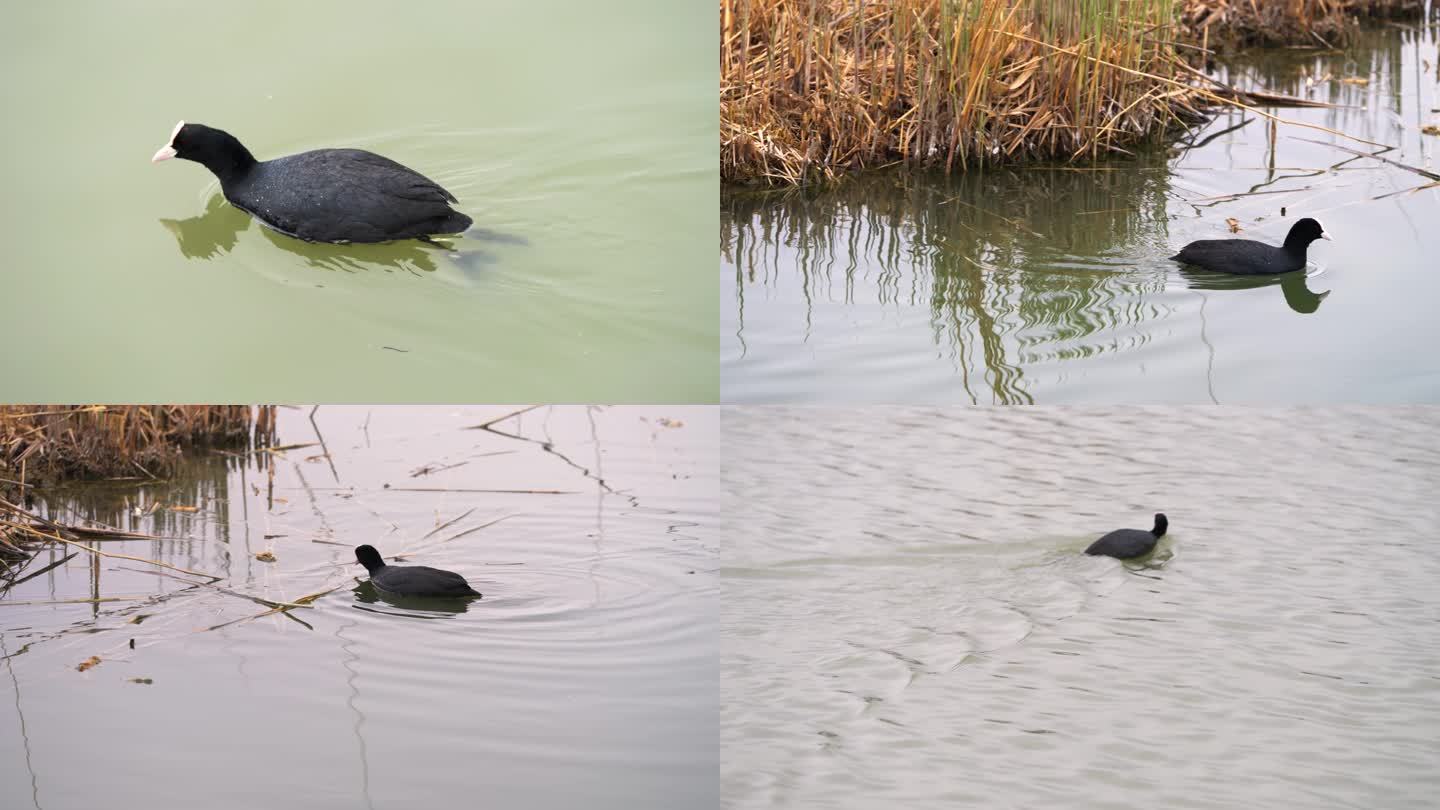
x=1009, y=269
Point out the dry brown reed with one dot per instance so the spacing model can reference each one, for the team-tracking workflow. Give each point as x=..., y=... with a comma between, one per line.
x=41, y=445
x=1323, y=23
x=48, y=443
x=812, y=88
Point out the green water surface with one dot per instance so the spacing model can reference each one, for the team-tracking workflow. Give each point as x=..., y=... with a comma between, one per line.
x=590, y=175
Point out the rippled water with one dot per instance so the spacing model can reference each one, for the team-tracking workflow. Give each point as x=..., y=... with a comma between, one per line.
x=909, y=620
x=586, y=675
x=590, y=176
x=1053, y=284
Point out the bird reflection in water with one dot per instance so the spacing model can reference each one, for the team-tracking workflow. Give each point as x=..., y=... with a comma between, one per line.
x=369, y=597
x=216, y=232
x=1298, y=295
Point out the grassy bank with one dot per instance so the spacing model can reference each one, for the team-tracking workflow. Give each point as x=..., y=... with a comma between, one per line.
x=811, y=89
x=1320, y=23
x=43, y=444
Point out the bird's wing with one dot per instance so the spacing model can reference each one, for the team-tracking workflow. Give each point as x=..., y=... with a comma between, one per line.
x=432, y=579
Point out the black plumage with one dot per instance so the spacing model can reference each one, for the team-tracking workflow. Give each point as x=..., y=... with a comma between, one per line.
x=326, y=195
x=411, y=580
x=1127, y=543
x=1251, y=258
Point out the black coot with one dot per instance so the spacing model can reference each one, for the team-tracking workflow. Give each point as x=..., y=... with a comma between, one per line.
x=1250, y=258
x=411, y=580
x=328, y=195
x=1126, y=543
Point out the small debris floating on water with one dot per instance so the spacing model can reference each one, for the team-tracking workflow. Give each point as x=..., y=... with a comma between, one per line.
x=141, y=680
x=1233, y=223
x=265, y=556
x=1431, y=129
x=92, y=661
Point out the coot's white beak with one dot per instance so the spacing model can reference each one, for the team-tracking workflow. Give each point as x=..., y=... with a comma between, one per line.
x=1326, y=237
x=168, y=150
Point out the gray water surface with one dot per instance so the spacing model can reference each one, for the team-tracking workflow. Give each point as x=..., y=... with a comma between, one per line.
x=585, y=676
x=1054, y=284
x=589, y=173
x=909, y=620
